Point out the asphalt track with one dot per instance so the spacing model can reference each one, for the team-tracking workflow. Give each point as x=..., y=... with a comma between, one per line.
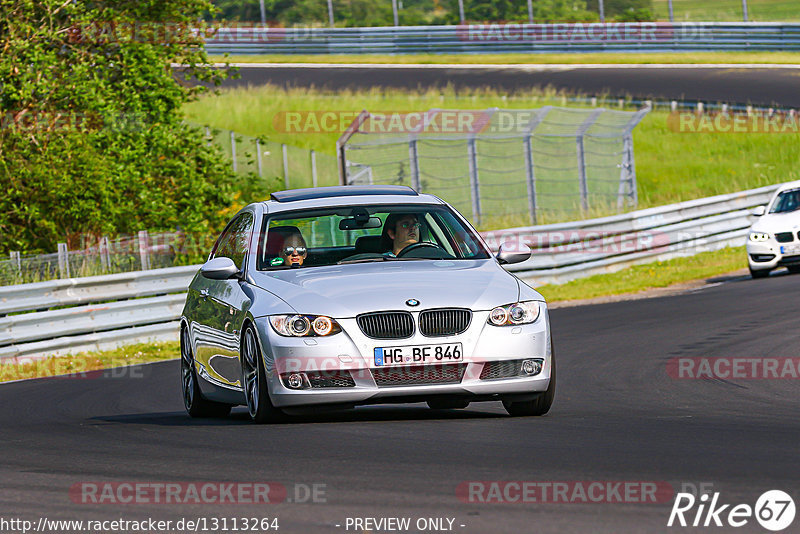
x=618, y=416
x=732, y=84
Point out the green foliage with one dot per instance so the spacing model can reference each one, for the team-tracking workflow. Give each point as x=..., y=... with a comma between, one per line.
x=625, y=10
x=92, y=139
x=350, y=13
x=514, y=10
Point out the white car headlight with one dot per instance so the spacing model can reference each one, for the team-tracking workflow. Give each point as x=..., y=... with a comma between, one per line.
x=514, y=314
x=304, y=325
x=758, y=236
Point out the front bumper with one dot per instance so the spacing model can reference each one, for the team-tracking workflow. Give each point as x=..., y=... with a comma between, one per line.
x=351, y=352
x=768, y=255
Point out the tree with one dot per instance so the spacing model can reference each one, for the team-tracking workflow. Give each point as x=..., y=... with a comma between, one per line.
x=92, y=139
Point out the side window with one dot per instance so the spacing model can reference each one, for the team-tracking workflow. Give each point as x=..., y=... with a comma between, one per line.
x=234, y=241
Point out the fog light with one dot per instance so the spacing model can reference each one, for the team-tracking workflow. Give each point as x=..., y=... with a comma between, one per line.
x=531, y=367
x=294, y=381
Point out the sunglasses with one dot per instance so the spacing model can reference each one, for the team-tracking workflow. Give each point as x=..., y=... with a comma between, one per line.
x=288, y=251
x=406, y=225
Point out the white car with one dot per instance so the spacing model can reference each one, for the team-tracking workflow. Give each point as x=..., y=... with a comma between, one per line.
x=774, y=239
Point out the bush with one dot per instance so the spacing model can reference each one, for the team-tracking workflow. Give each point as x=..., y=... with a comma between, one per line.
x=92, y=139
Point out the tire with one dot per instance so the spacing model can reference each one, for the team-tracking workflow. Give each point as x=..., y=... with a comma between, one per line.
x=794, y=269
x=254, y=379
x=447, y=404
x=193, y=401
x=541, y=404
x=759, y=274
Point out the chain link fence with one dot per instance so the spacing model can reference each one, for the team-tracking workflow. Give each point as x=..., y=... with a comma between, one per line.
x=281, y=166
x=500, y=166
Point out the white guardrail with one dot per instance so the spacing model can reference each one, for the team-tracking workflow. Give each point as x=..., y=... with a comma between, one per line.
x=102, y=312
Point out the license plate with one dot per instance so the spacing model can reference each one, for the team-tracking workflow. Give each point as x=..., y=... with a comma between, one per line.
x=418, y=355
x=790, y=249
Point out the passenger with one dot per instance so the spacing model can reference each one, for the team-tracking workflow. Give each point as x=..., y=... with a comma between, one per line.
x=294, y=250
x=399, y=231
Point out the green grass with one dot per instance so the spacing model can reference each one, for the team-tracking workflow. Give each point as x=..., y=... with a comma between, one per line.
x=648, y=276
x=670, y=166
x=78, y=364
x=729, y=10
x=533, y=59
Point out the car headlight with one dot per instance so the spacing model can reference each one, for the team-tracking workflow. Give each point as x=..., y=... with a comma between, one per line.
x=514, y=314
x=758, y=236
x=304, y=325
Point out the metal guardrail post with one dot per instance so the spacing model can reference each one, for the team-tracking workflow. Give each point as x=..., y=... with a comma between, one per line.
x=103, y=247
x=285, y=152
x=16, y=261
x=472, y=155
x=233, y=150
x=258, y=158
x=63, y=260
x=313, y=168
x=413, y=160
x=144, y=249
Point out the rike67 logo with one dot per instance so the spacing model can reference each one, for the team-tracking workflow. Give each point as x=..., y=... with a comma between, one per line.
x=774, y=510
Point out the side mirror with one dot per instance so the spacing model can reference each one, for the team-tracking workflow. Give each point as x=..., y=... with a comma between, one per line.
x=758, y=211
x=219, y=269
x=508, y=254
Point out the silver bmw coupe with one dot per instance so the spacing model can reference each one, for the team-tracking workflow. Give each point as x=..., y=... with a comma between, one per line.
x=335, y=297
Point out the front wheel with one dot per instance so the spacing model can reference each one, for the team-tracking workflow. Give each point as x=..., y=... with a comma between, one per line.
x=254, y=379
x=763, y=273
x=793, y=269
x=193, y=401
x=541, y=404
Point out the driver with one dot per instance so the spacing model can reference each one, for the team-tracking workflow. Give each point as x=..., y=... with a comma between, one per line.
x=402, y=230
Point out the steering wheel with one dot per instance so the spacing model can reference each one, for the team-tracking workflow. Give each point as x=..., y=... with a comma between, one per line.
x=417, y=246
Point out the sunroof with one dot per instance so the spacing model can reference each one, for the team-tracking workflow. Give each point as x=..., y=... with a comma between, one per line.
x=341, y=191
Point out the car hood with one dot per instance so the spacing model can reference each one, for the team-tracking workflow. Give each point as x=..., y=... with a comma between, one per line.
x=777, y=222
x=343, y=291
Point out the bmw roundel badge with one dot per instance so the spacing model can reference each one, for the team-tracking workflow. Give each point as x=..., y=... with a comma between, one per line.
x=412, y=302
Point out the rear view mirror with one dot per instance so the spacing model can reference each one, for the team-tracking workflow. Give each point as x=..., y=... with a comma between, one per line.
x=219, y=269
x=359, y=224
x=758, y=211
x=507, y=254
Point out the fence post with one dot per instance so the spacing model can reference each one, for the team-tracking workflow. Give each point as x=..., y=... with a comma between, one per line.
x=472, y=154
x=258, y=158
x=313, y=168
x=16, y=261
x=530, y=171
x=144, y=249
x=627, y=177
x=233, y=150
x=530, y=176
x=63, y=260
x=583, y=180
x=105, y=257
x=208, y=136
x=285, y=151
x=413, y=159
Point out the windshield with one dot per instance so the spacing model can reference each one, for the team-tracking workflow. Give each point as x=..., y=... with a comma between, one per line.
x=787, y=201
x=360, y=234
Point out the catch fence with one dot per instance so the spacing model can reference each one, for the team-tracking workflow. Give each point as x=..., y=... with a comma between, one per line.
x=497, y=165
